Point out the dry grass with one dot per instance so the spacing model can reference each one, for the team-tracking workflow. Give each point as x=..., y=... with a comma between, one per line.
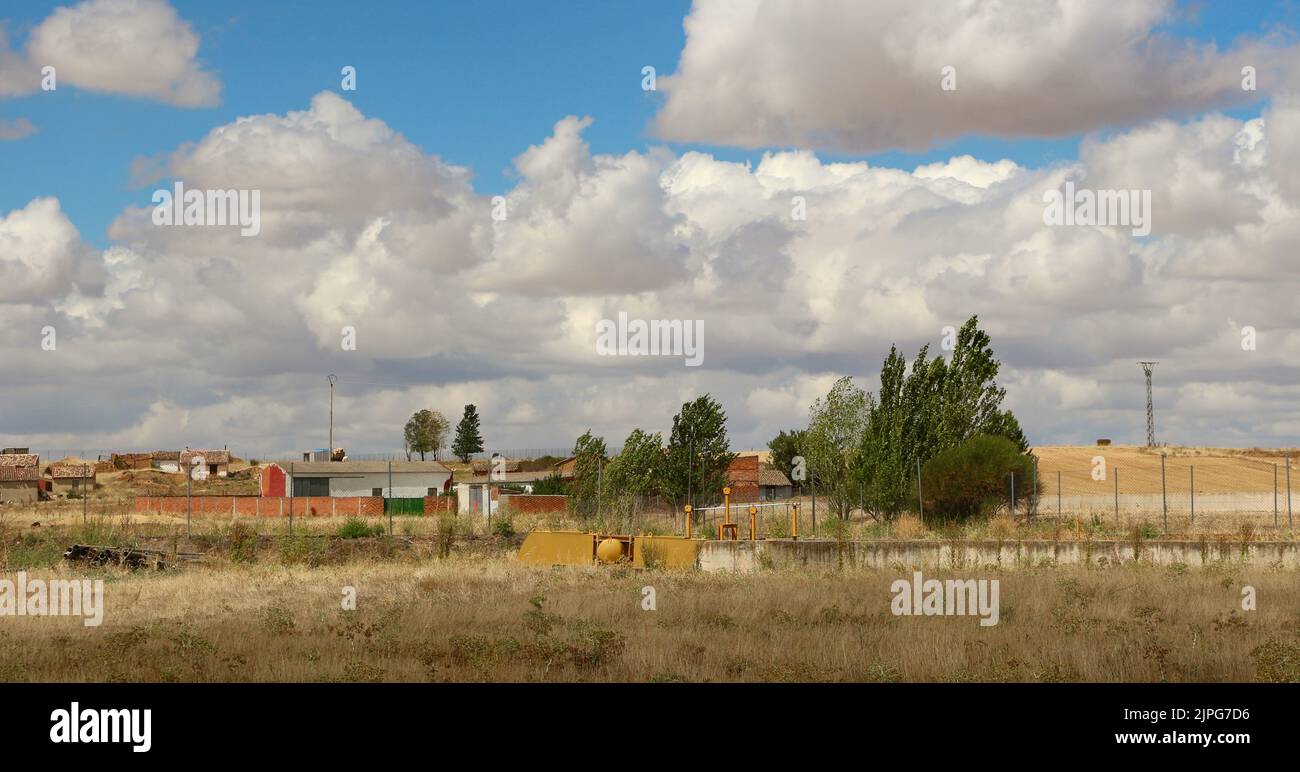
x=1218, y=470
x=482, y=617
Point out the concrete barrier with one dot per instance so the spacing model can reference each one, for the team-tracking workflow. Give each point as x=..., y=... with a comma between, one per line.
x=744, y=556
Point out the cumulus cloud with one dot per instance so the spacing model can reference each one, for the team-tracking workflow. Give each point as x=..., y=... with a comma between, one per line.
x=198, y=335
x=858, y=76
x=136, y=48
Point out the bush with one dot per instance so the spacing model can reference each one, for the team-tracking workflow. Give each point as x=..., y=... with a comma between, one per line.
x=554, y=485
x=356, y=528
x=972, y=480
x=503, y=525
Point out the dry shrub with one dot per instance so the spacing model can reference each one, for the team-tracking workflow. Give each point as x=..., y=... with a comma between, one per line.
x=907, y=527
x=1002, y=527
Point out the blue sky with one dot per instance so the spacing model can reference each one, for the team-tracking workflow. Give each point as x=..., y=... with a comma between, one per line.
x=475, y=83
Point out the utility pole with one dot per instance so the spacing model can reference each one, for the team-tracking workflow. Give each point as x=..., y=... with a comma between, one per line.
x=331, y=378
x=1147, y=367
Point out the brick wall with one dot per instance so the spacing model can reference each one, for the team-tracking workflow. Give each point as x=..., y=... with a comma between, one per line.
x=535, y=504
x=263, y=506
x=742, y=476
x=434, y=505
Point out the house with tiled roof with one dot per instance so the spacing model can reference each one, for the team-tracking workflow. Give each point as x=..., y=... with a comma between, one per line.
x=217, y=462
x=70, y=478
x=20, y=477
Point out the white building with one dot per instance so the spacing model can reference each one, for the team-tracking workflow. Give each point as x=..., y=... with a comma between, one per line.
x=409, y=479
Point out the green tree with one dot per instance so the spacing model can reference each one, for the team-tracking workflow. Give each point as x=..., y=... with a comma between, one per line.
x=552, y=485
x=468, y=439
x=589, y=469
x=831, y=444
x=785, y=446
x=698, y=454
x=974, y=479
x=639, y=465
x=425, y=432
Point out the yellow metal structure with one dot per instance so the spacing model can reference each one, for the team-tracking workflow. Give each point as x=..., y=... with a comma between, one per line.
x=609, y=551
x=579, y=548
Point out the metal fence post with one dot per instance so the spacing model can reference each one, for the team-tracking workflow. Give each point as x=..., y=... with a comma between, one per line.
x=920, y=499
x=1058, y=493
x=1013, y=495
x=1289, y=523
x=1164, y=492
x=1115, y=474
x=84, y=518
x=1192, y=471
x=390, y=496
x=1275, y=494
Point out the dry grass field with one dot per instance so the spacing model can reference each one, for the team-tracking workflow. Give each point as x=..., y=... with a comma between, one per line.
x=482, y=617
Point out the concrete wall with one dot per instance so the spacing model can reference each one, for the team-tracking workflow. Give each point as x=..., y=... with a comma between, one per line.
x=263, y=506
x=778, y=553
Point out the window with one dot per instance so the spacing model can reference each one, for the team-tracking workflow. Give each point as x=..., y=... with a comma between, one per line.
x=376, y=491
x=433, y=491
x=311, y=486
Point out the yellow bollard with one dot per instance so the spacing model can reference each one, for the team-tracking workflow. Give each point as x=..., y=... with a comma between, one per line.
x=726, y=500
x=753, y=522
x=688, y=521
x=794, y=530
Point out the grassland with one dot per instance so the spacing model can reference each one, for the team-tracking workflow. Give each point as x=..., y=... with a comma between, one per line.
x=270, y=609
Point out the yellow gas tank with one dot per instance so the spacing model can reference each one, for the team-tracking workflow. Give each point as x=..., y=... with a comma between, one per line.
x=609, y=551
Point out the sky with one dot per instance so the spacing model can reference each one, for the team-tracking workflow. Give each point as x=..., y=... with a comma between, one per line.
x=923, y=205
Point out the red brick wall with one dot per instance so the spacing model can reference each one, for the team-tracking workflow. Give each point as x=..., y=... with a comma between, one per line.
x=535, y=504
x=434, y=505
x=743, y=479
x=263, y=506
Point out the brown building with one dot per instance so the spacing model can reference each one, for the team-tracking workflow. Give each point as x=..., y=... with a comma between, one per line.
x=66, y=479
x=753, y=480
x=20, y=477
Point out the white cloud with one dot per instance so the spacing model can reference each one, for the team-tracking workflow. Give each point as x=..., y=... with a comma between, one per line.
x=858, y=76
x=201, y=336
x=137, y=48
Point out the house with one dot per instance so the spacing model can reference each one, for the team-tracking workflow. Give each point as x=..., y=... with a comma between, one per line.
x=409, y=479
x=20, y=476
x=68, y=477
x=216, y=461
x=166, y=460
x=567, y=469
x=323, y=454
x=753, y=480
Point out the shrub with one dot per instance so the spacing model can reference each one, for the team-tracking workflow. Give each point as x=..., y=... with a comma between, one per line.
x=973, y=479
x=356, y=528
x=503, y=525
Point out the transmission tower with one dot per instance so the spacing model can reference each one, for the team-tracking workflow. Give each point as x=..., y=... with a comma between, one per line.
x=1147, y=367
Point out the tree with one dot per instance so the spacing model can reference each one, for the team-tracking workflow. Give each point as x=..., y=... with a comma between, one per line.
x=831, y=444
x=698, y=453
x=588, y=472
x=468, y=440
x=638, y=465
x=552, y=485
x=785, y=446
x=974, y=479
x=425, y=432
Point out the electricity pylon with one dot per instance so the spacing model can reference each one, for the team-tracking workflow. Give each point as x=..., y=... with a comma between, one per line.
x=1147, y=367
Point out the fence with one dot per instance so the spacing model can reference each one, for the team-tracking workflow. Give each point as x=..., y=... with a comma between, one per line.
x=1173, y=494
